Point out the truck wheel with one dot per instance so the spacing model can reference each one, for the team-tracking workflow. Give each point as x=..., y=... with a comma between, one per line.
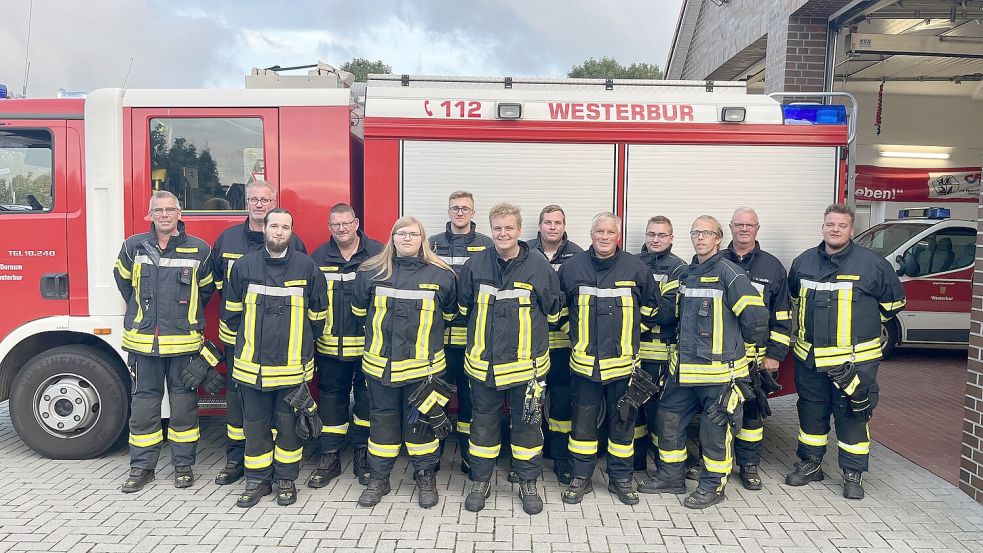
x=70, y=403
x=889, y=338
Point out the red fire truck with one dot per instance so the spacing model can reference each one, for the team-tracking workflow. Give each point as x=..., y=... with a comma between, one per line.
x=76, y=177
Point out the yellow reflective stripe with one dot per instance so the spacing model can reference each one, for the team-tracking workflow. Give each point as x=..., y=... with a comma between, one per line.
x=422, y=449
x=552, y=317
x=621, y=450
x=817, y=440
x=725, y=466
x=233, y=306
x=783, y=315
x=423, y=331
x=863, y=448
x=582, y=447
x=186, y=250
x=852, y=386
x=296, y=338
x=525, y=330
x=803, y=307
x=317, y=315
x=555, y=425
x=464, y=427
x=147, y=440
x=525, y=453
x=655, y=439
x=287, y=455
x=672, y=455
x=260, y=461
x=776, y=336
x=361, y=422
x=208, y=279
x=137, y=281
x=718, y=325
x=751, y=434
x=338, y=429
x=640, y=432
x=249, y=334
x=480, y=325
x=485, y=452
x=747, y=301
x=359, y=312
x=844, y=311
x=668, y=286
x=891, y=306
x=383, y=450
x=720, y=467
x=235, y=433
x=379, y=304
x=122, y=270
x=462, y=309
x=219, y=284
x=329, y=312
x=627, y=327
x=583, y=332
x=184, y=436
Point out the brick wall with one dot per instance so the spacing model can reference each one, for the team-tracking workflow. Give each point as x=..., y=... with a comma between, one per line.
x=971, y=457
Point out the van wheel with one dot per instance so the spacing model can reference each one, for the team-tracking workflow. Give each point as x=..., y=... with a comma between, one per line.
x=889, y=338
x=70, y=402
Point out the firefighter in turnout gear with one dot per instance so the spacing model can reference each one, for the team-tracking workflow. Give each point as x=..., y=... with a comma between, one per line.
x=768, y=276
x=404, y=295
x=844, y=292
x=553, y=243
x=719, y=311
x=511, y=297
x=276, y=304
x=339, y=350
x=610, y=295
x=454, y=247
x=666, y=268
x=165, y=278
x=235, y=242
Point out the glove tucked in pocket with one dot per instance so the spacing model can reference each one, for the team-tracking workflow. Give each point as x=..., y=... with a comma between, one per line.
x=201, y=370
x=428, y=402
x=308, y=424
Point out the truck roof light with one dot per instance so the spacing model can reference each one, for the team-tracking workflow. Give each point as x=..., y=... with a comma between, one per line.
x=732, y=114
x=925, y=213
x=509, y=110
x=814, y=114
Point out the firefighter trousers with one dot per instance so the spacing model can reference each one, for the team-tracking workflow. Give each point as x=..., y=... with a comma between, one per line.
x=677, y=406
x=818, y=400
x=262, y=411
x=559, y=414
x=486, y=433
x=235, y=445
x=389, y=428
x=749, y=441
x=588, y=396
x=338, y=381
x=455, y=375
x=647, y=431
x=146, y=434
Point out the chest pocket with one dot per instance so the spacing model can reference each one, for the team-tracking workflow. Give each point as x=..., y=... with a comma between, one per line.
x=705, y=305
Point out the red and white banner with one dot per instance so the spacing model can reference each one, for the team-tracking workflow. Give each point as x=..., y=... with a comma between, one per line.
x=891, y=184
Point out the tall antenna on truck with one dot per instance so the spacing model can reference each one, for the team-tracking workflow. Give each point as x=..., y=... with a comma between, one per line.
x=27, y=50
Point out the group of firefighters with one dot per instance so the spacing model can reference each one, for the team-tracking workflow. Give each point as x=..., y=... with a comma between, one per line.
x=590, y=344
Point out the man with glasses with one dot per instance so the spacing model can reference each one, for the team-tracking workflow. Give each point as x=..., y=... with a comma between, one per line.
x=235, y=242
x=339, y=350
x=770, y=279
x=165, y=278
x=455, y=246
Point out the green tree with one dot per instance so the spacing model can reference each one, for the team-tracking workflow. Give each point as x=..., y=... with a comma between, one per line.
x=609, y=68
x=361, y=68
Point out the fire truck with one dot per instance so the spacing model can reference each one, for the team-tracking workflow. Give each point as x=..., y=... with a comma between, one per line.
x=76, y=176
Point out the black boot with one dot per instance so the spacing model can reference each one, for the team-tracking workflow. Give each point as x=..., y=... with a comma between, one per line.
x=563, y=470
x=426, y=488
x=853, y=484
x=373, y=492
x=360, y=465
x=287, y=494
x=328, y=468
x=513, y=477
x=532, y=503
x=229, y=475
x=183, y=477
x=749, y=477
x=475, y=501
x=809, y=470
x=255, y=490
x=701, y=499
x=625, y=490
x=578, y=488
x=137, y=479
x=655, y=484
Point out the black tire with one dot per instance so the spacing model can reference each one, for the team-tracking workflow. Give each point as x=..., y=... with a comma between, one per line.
x=85, y=387
x=889, y=338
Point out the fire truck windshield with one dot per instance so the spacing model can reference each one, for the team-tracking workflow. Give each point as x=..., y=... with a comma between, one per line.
x=887, y=237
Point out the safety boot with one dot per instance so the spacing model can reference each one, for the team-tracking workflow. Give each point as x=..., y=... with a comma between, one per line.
x=701, y=499
x=328, y=468
x=853, y=484
x=287, y=493
x=532, y=503
x=255, y=490
x=578, y=488
x=229, y=475
x=808, y=470
x=513, y=477
x=373, y=492
x=360, y=465
x=183, y=477
x=625, y=490
x=749, y=477
x=475, y=501
x=655, y=484
x=137, y=479
x=563, y=470
x=426, y=488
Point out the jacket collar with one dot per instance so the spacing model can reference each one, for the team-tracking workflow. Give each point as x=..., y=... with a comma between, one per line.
x=658, y=256
x=699, y=268
x=836, y=257
x=734, y=256
x=174, y=240
x=604, y=264
x=335, y=251
x=468, y=237
x=252, y=236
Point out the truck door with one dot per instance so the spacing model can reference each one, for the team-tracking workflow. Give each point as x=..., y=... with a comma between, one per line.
x=33, y=208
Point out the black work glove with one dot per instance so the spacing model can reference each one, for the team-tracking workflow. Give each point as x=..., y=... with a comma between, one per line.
x=214, y=381
x=308, y=424
x=722, y=412
x=428, y=402
x=641, y=388
x=532, y=402
x=196, y=371
x=846, y=379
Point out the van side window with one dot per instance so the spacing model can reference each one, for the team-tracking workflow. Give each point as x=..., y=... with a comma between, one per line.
x=206, y=161
x=949, y=249
x=26, y=161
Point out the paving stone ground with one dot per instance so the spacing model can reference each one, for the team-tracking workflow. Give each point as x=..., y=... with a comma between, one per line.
x=77, y=506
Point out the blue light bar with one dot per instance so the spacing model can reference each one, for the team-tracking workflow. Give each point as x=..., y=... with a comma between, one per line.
x=814, y=114
x=3, y=91
x=925, y=213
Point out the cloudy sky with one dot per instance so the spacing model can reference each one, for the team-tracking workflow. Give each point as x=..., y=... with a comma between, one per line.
x=88, y=44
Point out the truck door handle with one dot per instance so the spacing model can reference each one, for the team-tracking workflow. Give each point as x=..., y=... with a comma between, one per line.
x=54, y=286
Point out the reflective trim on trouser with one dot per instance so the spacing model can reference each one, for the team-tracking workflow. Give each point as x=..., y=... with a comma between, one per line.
x=389, y=429
x=818, y=401
x=455, y=375
x=146, y=437
x=559, y=416
x=262, y=410
x=235, y=444
x=748, y=442
x=587, y=397
x=486, y=433
x=338, y=380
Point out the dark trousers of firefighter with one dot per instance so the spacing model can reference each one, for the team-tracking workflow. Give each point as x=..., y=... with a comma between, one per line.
x=749, y=441
x=647, y=431
x=146, y=435
x=486, y=433
x=262, y=411
x=677, y=406
x=389, y=429
x=583, y=444
x=456, y=375
x=337, y=381
x=818, y=400
x=559, y=415
x=235, y=445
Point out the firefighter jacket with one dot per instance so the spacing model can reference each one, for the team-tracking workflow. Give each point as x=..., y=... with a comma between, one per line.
x=276, y=307
x=610, y=302
x=404, y=318
x=665, y=268
x=235, y=242
x=343, y=335
x=719, y=310
x=842, y=299
x=510, y=306
x=165, y=292
x=769, y=278
x=559, y=336
x=455, y=250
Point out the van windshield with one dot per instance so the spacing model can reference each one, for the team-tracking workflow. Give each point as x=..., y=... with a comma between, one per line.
x=887, y=237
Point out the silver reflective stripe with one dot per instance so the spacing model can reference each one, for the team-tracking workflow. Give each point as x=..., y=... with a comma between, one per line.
x=605, y=292
x=167, y=262
x=758, y=286
x=813, y=285
x=660, y=278
x=405, y=294
x=503, y=294
x=556, y=266
x=278, y=291
x=452, y=260
x=701, y=292
x=345, y=277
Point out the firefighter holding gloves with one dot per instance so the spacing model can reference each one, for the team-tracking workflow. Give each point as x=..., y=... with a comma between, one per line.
x=165, y=279
x=610, y=296
x=404, y=295
x=510, y=296
x=844, y=291
x=276, y=305
x=719, y=311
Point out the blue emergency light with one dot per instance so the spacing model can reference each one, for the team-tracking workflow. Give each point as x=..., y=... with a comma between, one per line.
x=925, y=213
x=814, y=114
x=3, y=91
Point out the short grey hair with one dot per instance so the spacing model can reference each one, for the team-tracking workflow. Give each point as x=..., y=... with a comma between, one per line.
x=744, y=209
x=162, y=195
x=604, y=217
x=260, y=183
